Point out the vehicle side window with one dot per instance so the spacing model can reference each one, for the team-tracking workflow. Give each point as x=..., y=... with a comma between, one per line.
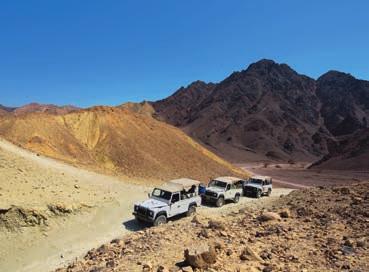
x=175, y=198
x=228, y=187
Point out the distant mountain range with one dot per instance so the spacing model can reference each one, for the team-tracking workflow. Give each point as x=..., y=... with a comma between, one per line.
x=267, y=112
x=35, y=107
x=270, y=112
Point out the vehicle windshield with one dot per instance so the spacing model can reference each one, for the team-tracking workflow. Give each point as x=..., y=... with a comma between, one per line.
x=161, y=194
x=217, y=183
x=255, y=181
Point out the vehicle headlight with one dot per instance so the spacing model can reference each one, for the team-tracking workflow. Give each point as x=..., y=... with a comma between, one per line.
x=151, y=213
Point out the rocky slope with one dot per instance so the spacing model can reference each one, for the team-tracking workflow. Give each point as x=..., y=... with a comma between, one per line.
x=319, y=229
x=117, y=141
x=269, y=112
x=345, y=102
x=348, y=153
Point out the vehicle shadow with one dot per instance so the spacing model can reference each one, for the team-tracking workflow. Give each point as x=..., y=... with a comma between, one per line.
x=134, y=225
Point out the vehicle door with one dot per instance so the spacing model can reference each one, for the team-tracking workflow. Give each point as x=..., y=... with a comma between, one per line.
x=176, y=205
x=228, y=192
x=265, y=186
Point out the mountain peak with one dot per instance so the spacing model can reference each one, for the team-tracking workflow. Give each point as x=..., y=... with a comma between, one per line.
x=335, y=75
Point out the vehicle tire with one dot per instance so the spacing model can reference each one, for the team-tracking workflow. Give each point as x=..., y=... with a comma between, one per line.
x=220, y=202
x=191, y=210
x=160, y=220
x=269, y=192
x=258, y=194
x=236, y=198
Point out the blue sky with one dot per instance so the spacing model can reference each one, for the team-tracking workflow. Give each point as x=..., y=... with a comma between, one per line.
x=108, y=52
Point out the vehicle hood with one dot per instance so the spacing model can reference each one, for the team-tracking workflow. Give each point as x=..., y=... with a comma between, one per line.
x=152, y=204
x=253, y=185
x=215, y=190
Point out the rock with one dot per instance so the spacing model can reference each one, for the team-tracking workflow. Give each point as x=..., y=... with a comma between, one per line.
x=267, y=269
x=269, y=216
x=162, y=268
x=200, y=256
x=204, y=233
x=349, y=243
x=76, y=186
x=361, y=242
x=187, y=269
x=110, y=264
x=147, y=267
x=248, y=254
x=223, y=233
x=285, y=213
x=213, y=224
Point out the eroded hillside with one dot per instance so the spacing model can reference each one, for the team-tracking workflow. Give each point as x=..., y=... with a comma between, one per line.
x=116, y=141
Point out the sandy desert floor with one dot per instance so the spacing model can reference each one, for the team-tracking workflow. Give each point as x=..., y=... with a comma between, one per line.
x=78, y=208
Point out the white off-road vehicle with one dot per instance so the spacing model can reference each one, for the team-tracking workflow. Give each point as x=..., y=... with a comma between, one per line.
x=175, y=197
x=257, y=186
x=222, y=189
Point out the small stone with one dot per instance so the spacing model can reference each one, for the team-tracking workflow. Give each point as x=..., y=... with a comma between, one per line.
x=147, y=267
x=187, y=269
x=285, y=213
x=249, y=254
x=162, y=268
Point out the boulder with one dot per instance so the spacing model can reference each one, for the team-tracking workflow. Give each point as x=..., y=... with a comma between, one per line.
x=269, y=216
x=200, y=256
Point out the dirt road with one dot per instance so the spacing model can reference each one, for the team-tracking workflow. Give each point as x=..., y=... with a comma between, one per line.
x=32, y=181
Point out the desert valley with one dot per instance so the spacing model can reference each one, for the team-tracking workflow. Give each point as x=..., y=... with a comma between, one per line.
x=70, y=176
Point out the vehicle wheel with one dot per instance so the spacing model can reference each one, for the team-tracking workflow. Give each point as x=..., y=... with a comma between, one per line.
x=160, y=220
x=220, y=202
x=269, y=192
x=191, y=210
x=236, y=198
x=258, y=194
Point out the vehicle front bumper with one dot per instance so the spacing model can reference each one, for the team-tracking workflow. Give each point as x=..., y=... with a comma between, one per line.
x=250, y=191
x=143, y=217
x=209, y=198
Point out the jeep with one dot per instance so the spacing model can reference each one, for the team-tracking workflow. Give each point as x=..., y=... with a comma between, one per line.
x=257, y=186
x=222, y=189
x=175, y=197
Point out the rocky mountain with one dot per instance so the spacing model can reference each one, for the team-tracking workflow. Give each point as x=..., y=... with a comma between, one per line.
x=345, y=102
x=270, y=112
x=7, y=109
x=347, y=153
x=117, y=141
x=48, y=108
x=267, y=111
x=36, y=107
